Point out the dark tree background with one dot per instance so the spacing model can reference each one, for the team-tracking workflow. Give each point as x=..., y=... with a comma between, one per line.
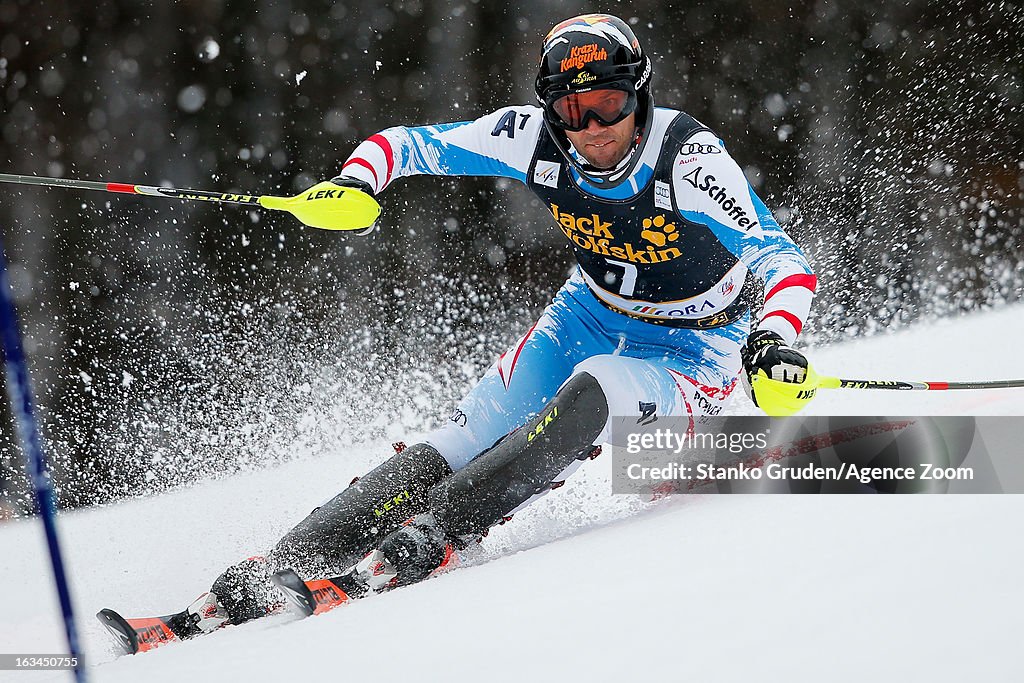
x=170, y=340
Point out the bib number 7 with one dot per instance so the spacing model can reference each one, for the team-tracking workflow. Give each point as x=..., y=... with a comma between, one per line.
x=628, y=276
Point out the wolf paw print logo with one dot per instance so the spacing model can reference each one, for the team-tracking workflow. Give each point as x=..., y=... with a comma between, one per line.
x=658, y=232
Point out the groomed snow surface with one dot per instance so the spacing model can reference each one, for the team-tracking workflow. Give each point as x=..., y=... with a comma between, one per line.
x=585, y=585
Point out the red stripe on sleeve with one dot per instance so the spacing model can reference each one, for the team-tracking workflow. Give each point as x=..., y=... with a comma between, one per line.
x=519, y=350
x=937, y=385
x=798, y=280
x=120, y=187
x=365, y=164
x=383, y=143
x=787, y=316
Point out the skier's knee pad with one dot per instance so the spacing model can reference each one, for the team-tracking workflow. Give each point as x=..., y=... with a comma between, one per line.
x=456, y=442
x=625, y=380
x=525, y=462
x=338, y=533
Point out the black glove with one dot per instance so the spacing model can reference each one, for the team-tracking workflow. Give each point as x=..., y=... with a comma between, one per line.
x=777, y=378
x=356, y=184
x=767, y=350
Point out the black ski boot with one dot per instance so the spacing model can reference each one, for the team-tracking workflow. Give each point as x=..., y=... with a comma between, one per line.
x=245, y=592
x=407, y=555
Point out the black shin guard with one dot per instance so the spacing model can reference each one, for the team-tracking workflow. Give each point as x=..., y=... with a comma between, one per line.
x=336, y=535
x=524, y=463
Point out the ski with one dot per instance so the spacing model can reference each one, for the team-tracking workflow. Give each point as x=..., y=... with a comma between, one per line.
x=141, y=635
x=371, y=575
x=145, y=633
x=319, y=595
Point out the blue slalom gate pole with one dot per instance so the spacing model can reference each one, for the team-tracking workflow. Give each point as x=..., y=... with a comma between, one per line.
x=20, y=392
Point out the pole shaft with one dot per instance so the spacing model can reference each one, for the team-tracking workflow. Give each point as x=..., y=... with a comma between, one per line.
x=928, y=386
x=20, y=393
x=41, y=181
x=147, y=190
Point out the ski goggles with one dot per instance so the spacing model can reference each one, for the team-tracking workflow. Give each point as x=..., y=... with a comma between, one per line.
x=607, y=106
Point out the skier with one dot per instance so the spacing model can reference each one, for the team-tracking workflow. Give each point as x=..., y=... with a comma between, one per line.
x=670, y=240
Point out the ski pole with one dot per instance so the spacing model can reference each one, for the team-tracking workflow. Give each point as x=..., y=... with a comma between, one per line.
x=325, y=205
x=20, y=393
x=837, y=383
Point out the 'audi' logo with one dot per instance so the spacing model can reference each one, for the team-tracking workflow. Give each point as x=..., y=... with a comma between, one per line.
x=697, y=148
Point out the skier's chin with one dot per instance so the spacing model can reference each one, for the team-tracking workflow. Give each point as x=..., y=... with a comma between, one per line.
x=604, y=159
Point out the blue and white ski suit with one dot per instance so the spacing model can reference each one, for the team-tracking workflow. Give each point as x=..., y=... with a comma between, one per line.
x=654, y=310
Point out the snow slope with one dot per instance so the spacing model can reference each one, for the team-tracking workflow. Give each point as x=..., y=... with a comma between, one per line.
x=696, y=588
